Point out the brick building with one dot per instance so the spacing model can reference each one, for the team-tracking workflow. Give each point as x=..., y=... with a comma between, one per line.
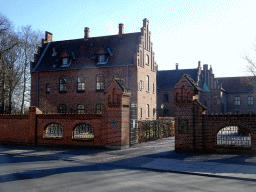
x=219, y=95
x=72, y=76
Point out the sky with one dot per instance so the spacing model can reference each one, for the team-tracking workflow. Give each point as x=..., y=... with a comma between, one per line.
x=216, y=32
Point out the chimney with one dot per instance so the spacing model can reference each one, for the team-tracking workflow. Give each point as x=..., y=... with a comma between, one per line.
x=177, y=66
x=48, y=36
x=86, y=33
x=121, y=29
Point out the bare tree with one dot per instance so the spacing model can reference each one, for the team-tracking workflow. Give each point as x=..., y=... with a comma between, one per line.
x=29, y=41
x=8, y=41
x=251, y=68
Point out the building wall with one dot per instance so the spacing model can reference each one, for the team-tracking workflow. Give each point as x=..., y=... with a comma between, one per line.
x=243, y=107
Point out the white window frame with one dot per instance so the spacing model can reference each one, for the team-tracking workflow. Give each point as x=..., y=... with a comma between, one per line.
x=250, y=100
x=237, y=100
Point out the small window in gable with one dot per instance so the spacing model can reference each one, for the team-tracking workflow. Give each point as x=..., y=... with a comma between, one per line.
x=147, y=59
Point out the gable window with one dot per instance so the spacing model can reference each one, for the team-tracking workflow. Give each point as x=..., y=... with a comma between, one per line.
x=80, y=109
x=147, y=111
x=166, y=98
x=250, y=100
x=147, y=59
x=80, y=84
x=147, y=83
x=99, y=108
x=100, y=82
x=65, y=61
x=62, y=108
x=237, y=100
x=47, y=88
x=63, y=84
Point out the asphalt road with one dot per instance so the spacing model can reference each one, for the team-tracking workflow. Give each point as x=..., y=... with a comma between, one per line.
x=37, y=174
x=59, y=169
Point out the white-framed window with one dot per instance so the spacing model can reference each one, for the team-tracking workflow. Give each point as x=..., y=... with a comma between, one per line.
x=63, y=84
x=80, y=84
x=99, y=108
x=101, y=58
x=65, y=61
x=237, y=100
x=80, y=109
x=250, y=100
x=147, y=83
x=53, y=130
x=100, y=82
x=147, y=111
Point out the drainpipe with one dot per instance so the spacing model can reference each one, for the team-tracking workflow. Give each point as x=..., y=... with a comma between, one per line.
x=127, y=76
x=37, y=90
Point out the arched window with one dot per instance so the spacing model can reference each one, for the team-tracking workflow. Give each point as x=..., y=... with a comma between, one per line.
x=53, y=130
x=80, y=109
x=99, y=108
x=62, y=108
x=177, y=97
x=119, y=99
x=109, y=99
x=113, y=96
x=83, y=131
x=147, y=111
x=147, y=83
x=188, y=97
x=147, y=59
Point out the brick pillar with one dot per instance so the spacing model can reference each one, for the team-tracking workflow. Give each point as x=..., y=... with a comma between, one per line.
x=32, y=130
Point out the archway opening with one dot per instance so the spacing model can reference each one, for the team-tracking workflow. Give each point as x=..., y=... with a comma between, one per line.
x=234, y=136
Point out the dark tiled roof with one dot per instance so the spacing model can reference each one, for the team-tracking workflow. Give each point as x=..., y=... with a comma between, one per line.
x=121, y=84
x=83, y=54
x=167, y=79
x=200, y=104
x=191, y=81
x=236, y=84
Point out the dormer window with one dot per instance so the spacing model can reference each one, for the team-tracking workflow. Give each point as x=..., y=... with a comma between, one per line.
x=65, y=61
x=101, y=58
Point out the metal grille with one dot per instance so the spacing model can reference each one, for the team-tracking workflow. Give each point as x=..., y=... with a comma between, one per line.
x=234, y=136
x=134, y=124
x=83, y=131
x=53, y=131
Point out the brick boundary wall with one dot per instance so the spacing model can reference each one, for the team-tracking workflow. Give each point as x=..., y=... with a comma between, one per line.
x=111, y=128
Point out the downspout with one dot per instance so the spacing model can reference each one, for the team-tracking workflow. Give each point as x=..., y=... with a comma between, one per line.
x=37, y=90
x=127, y=76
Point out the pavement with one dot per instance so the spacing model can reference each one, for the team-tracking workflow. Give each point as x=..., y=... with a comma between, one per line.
x=155, y=155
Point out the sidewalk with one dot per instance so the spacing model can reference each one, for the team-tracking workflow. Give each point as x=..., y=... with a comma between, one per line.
x=156, y=155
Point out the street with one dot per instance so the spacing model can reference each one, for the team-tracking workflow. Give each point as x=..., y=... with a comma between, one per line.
x=56, y=169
